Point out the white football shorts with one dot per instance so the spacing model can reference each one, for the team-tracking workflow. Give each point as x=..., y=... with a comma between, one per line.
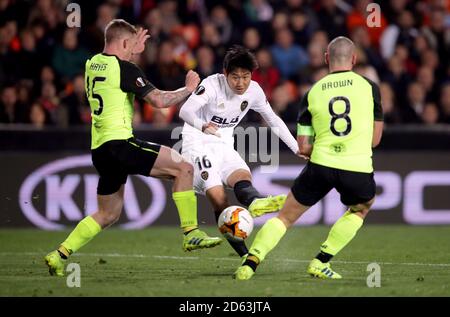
x=213, y=164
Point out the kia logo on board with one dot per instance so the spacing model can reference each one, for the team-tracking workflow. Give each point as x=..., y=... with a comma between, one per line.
x=60, y=187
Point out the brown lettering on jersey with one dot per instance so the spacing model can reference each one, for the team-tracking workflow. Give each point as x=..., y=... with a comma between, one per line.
x=337, y=84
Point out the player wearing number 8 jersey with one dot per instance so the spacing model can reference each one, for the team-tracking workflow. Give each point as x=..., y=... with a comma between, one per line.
x=337, y=112
x=340, y=120
x=112, y=82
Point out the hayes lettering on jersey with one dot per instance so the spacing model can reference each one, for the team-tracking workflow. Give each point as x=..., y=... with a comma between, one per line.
x=98, y=67
x=337, y=84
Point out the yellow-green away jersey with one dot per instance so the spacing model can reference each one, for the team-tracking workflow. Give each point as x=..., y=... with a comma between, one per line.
x=111, y=84
x=339, y=111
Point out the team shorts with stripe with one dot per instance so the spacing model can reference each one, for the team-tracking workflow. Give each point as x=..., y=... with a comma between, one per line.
x=213, y=163
x=115, y=160
x=315, y=181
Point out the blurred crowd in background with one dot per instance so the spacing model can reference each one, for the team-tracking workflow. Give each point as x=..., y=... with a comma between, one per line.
x=42, y=60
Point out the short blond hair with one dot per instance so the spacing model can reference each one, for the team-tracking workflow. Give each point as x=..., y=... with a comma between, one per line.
x=117, y=28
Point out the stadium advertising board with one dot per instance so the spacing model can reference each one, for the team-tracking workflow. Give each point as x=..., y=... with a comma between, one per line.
x=57, y=190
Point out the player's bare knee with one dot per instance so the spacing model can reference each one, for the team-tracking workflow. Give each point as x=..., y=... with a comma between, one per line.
x=288, y=217
x=361, y=209
x=220, y=203
x=184, y=169
x=286, y=220
x=106, y=218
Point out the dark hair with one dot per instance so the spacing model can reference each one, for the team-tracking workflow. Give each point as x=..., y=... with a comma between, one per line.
x=239, y=57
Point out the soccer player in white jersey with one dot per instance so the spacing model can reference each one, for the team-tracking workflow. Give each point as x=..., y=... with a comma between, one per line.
x=211, y=113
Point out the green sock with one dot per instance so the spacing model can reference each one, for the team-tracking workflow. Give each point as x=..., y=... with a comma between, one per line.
x=267, y=238
x=82, y=234
x=186, y=203
x=342, y=233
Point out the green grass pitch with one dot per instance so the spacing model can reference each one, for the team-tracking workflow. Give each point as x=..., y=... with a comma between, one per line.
x=414, y=261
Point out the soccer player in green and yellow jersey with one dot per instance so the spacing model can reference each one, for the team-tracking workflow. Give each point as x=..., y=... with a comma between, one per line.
x=340, y=120
x=112, y=82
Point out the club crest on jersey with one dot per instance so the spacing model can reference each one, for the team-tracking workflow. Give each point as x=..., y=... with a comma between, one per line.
x=200, y=90
x=204, y=175
x=140, y=82
x=244, y=105
x=338, y=147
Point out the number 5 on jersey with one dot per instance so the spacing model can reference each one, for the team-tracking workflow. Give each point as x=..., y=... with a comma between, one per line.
x=94, y=95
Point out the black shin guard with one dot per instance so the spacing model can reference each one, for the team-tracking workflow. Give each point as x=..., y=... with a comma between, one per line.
x=251, y=263
x=238, y=246
x=245, y=192
x=323, y=257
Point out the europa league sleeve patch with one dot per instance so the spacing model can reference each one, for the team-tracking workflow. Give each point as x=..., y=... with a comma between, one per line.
x=140, y=82
x=200, y=90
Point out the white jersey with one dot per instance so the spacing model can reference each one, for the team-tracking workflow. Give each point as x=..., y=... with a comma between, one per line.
x=214, y=158
x=215, y=102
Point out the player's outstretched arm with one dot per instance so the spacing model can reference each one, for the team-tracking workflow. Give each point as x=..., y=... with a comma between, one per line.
x=163, y=99
x=278, y=126
x=377, y=114
x=189, y=110
x=377, y=133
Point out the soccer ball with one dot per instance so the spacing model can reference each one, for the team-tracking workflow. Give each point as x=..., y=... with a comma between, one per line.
x=235, y=223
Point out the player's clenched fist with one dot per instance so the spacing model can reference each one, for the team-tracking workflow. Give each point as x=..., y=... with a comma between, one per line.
x=192, y=80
